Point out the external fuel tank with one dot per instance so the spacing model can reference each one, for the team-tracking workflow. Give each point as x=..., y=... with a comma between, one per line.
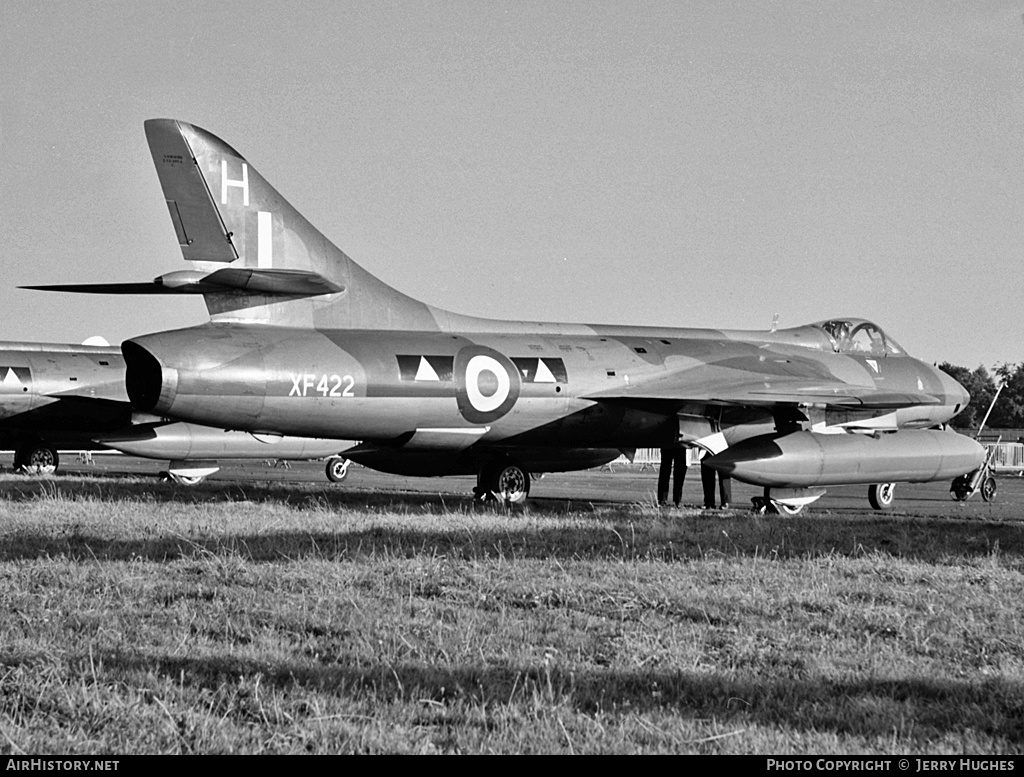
x=804, y=459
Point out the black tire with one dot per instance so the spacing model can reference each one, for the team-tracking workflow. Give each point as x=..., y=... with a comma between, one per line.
x=512, y=484
x=337, y=468
x=505, y=483
x=881, y=495
x=960, y=488
x=989, y=488
x=37, y=458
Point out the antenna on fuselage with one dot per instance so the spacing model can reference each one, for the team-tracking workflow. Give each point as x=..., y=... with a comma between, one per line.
x=775, y=322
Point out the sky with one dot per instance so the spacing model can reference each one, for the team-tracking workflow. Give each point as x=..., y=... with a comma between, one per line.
x=706, y=164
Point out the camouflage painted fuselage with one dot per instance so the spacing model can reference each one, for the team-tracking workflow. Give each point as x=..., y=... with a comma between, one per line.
x=460, y=396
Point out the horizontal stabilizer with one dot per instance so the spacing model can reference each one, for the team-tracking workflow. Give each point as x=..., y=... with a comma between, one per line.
x=252, y=280
x=104, y=288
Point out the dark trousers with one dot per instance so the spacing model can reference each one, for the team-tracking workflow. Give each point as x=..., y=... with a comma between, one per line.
x=671, y=457
x=707, y=479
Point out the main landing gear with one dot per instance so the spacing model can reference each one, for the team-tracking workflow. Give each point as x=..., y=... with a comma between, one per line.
x=36, y=458
x=504, y=482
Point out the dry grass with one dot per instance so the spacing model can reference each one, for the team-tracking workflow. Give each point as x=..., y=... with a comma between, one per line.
x=140, y=619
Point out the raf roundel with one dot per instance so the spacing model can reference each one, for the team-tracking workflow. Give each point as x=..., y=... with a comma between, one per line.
x=487, y=384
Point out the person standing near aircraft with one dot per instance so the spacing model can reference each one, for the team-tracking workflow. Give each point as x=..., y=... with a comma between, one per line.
x=707, y=479
x=671, y=457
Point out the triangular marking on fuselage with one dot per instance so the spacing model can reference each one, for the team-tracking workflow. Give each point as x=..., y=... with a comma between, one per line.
x=873, y=364
x=11, y=379
x=425, y=371
x=543, y=374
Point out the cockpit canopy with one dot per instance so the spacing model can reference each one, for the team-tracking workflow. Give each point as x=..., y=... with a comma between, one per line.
x=855, y=335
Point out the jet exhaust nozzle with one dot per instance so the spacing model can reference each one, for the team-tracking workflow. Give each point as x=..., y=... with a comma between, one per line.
x=150, y=385
x=202, y=375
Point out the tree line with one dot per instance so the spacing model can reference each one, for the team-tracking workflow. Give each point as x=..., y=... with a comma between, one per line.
x=982, y=385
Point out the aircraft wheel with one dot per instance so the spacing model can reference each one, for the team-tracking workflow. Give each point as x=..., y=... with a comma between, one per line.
x=763, y=505
x=37, y=458
x=988, y=488
x=880, y=495
x=512, y=484
x=508, y=483
x=187, y=480
x=337, y=468
x=960, y=488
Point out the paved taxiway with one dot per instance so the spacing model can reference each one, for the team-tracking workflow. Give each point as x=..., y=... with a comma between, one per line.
x=620, y=485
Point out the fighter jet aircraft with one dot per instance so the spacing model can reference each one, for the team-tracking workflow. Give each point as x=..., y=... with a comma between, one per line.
x=304, y=341
x=57, y=397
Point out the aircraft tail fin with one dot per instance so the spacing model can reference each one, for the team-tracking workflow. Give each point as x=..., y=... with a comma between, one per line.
x=256, y=257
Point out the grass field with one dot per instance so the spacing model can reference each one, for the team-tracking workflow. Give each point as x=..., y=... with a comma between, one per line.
x=259, y=618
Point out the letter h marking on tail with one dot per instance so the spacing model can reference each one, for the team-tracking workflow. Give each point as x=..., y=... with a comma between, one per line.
x=225, y=182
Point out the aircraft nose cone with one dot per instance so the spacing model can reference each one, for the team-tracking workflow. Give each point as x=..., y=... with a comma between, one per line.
x=955, y=393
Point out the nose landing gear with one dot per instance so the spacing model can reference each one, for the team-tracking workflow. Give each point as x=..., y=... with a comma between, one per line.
x=966, y=486
x=337, y=468
x=981, y=479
